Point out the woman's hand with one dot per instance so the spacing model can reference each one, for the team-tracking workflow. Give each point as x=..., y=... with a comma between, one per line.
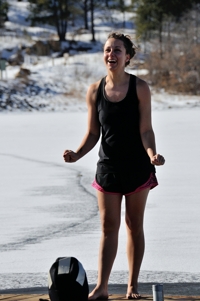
x=157, y=160
x=70, y=156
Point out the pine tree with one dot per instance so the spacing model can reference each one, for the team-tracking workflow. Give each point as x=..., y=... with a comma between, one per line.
x=121, y=6
x=151, y=15
x=54, y=12
x=59, y=12
x=4, y=6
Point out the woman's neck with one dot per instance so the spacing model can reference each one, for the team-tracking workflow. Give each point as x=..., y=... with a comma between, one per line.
x=116, y=78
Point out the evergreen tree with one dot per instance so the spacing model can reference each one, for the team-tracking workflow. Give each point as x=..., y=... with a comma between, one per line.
x=86, y=13
x=54, y=12
x=122, y=7
x=151, y=15
x=4, y=6
x=92, y=20
x=60, y=12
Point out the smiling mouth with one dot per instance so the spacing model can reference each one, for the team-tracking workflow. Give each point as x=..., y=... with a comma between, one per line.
x=111, y=61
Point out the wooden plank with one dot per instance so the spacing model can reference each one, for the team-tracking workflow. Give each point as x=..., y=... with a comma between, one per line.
x=182, y=298
x=117, y=297
x=37, y=297
x=24, y=297
x=150, y=298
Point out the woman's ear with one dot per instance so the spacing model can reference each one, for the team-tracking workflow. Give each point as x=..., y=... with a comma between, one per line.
x=127, y=58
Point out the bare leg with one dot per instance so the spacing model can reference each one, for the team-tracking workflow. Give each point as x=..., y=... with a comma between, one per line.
x=135, y=206
x=110, y=214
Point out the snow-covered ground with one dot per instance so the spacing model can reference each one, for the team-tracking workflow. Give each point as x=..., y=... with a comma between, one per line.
x=48, y=208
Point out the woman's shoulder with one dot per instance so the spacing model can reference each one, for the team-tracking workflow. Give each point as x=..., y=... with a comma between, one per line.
x=140, y=82
x=92, y=91
x=142, y=88
x=93, y=87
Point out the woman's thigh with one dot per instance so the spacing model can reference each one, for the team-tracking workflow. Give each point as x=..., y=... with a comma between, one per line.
x=110, y=210
x=135, y=207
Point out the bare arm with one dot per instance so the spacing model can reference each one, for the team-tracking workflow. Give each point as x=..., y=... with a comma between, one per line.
x=93, y=130
x=146, y=130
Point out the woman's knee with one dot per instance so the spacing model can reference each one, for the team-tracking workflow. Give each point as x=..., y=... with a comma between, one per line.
x=110, y=226
x=134, y=226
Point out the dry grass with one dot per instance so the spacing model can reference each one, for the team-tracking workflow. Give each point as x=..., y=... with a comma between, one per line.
x=177, y=71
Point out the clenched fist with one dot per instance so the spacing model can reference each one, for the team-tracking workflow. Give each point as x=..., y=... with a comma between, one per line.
x=70, y=156
x=157, y=160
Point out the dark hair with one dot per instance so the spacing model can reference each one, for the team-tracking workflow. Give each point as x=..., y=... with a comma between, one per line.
x=128, y=44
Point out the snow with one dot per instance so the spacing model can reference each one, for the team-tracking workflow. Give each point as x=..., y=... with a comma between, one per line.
x=48, y=208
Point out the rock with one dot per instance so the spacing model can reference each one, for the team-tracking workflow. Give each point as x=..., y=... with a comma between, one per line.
x=16, y=59
x=23, y=73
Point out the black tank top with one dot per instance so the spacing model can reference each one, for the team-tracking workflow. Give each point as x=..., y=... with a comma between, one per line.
x=121, y=148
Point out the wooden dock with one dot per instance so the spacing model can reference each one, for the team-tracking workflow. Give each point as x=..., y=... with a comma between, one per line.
x=45, y=297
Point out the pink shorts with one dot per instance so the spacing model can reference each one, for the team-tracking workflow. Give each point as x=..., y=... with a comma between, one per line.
x=150, y=183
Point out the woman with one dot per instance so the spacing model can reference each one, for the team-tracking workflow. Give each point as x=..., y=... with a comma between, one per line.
x=119, y=107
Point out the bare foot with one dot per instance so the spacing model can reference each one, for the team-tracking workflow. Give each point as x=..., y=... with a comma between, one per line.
x=98, y=294
x=132, y=293
x=133, y=296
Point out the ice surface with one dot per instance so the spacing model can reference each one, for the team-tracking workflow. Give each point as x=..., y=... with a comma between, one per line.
x=48, y=208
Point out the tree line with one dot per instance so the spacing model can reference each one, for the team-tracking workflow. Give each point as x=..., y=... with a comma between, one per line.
x=167, y=30
x=153, y=17
x=159, y=18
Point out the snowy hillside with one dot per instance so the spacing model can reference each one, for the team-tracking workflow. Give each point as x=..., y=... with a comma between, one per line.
x=59, y=80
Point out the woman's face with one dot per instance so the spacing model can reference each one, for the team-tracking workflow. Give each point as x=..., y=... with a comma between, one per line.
x=115, y=55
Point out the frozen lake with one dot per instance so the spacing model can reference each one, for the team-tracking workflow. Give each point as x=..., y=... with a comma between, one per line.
x=48, y=208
